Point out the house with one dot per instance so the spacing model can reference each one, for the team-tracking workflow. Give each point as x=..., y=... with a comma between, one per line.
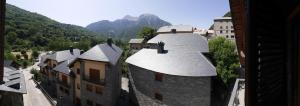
x=50, y=61
x=176, y=29
x=93, y=78
x=223, y=27
x=136, y=44
x=12, y=85
x=173, y=72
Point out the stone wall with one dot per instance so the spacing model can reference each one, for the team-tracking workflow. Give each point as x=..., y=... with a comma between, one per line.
x=175, y=90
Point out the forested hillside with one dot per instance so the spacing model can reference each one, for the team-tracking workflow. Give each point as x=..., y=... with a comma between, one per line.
x=25, y=30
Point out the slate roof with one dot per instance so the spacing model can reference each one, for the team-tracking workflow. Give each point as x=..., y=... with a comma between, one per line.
x=182, y=42
x=14, y=81
x=43, y=59
x=179, y=28
x=223, y=18
x=174, y=62
x=136, y=40
x=64, y=66
x=60, y=56
x=104, y=53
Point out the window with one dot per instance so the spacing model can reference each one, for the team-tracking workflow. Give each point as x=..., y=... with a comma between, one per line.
x=221, y=27
x=61, y=88
x=78, y=86
x=158, y=96
x=64, y=79
x=227, y=36
x=94, y=75
x=158, y=76
x=89, y=102
x=97, y=104
x=78, y=71
x=232, y=31
x=67, y=91
x=99, y=90
x=54, y=65
x=221, y=31
x=89, y=87
x=232, y=36
x=226, y=31
x=226, y=27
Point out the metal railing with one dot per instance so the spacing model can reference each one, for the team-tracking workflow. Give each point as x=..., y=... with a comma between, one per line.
x=49, y=98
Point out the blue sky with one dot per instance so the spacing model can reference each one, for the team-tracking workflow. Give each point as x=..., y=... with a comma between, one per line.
x=198, y=13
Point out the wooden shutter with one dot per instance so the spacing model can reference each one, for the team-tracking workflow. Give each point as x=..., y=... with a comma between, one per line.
x=94, y=74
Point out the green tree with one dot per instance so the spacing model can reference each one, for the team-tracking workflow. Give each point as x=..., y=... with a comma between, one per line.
x=25, y=56
x=83, y=44
x=224, y=58
x=25, y=64
x=11, y=37
x=35, y=54
x=18, y=56
x=147, y=33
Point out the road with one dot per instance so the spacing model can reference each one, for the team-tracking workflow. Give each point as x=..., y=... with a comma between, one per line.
x=34, y=96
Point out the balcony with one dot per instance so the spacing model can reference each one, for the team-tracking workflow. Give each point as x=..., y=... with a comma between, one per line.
x=99, y=82
x=63, y=83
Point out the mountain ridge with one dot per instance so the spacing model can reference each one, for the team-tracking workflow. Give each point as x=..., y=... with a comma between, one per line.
x=126, y=27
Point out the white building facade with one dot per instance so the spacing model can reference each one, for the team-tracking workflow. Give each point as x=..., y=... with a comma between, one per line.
x=223, y=27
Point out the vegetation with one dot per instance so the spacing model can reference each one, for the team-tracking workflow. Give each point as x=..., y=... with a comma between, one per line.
x=225, y=58
x=35, y=54
x=36, y=75
x=147, y=33
x=26, y=30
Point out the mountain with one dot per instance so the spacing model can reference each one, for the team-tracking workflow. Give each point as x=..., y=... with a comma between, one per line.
x=24, y=29
x=128, y=26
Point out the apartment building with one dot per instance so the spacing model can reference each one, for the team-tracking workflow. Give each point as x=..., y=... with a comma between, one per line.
x=50, y=61
x=174, y=72
x=12, y=85
x=223, y=27
x=91, y=79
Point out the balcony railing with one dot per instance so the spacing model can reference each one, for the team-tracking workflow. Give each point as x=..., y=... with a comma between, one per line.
x=63, y=83
x=99, y=82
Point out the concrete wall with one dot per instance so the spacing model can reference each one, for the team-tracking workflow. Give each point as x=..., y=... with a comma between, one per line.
x=176, y=90
x=227, y=28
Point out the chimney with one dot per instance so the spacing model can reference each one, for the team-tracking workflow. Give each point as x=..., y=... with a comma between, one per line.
x=160, y=47
x=109, y=41
x=71, y=50
x=173, y=30
x=81, y=52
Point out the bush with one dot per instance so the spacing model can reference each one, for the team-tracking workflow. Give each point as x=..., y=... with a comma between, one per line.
x=25, y=64
x=35, y=54
x=25, y=56
x=23, y=52
x=36, y=74
x=18, y=56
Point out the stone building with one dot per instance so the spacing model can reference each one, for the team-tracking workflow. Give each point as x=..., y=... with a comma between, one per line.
x=223, y=27
x=177, y=74
x=97, y=76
